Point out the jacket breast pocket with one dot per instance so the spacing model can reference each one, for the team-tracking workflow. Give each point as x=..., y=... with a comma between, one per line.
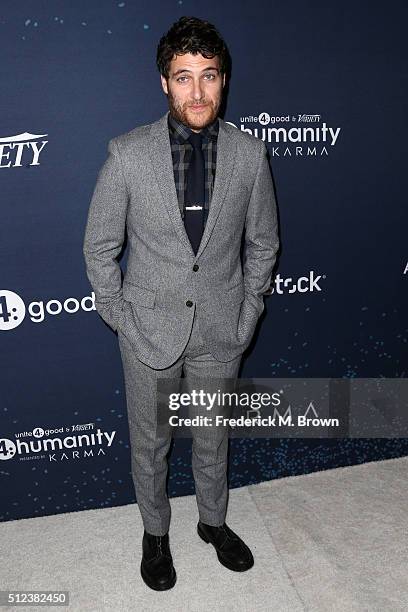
x=137, y=294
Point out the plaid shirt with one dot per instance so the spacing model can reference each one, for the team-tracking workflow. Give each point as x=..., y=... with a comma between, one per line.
x=181, y=151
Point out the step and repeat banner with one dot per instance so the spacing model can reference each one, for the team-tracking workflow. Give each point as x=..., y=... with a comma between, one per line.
x=324, y=86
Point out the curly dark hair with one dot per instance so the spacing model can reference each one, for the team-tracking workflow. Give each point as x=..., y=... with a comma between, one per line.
x=191, y=35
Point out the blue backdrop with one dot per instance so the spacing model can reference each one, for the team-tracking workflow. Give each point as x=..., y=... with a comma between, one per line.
x=324, y=84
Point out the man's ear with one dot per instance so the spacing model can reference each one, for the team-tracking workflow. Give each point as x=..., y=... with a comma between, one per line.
x=164, y=84
x=223, y=80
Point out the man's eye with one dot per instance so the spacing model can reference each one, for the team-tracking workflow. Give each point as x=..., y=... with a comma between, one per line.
x=208, y=76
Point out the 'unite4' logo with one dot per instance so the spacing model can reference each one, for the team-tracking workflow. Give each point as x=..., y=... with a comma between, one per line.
x=7, y=449
x=19, y=144
x=13, y=309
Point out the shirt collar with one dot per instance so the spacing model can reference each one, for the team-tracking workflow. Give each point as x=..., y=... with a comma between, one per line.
x=180, y=132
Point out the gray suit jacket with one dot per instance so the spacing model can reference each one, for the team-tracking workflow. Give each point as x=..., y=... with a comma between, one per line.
x=165, y=282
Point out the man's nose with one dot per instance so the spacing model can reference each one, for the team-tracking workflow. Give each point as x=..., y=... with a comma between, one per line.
x=197, y=90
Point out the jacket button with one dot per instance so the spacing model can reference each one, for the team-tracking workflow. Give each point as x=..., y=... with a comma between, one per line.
x=195, y=267
x=189, y=303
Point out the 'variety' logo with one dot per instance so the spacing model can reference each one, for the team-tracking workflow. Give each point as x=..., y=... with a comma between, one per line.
x=19, y=144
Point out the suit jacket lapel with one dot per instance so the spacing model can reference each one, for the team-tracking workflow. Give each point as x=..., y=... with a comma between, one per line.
x=161, y=159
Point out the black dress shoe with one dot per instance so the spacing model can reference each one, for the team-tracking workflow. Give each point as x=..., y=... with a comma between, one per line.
x=232, y=552
x=157, y=564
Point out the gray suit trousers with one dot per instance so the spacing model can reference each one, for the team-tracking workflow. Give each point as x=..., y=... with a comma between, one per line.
x=150, y=444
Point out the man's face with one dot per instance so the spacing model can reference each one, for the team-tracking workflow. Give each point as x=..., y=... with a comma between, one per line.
x=194, y=89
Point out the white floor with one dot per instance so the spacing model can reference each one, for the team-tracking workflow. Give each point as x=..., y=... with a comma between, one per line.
x=328, y=541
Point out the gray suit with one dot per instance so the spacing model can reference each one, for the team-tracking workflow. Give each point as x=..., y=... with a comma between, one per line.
x=167, y=290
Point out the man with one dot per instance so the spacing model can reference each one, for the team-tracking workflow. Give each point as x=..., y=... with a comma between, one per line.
x=185, y=188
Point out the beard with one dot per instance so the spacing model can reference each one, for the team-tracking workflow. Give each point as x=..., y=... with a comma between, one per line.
x=195, y=121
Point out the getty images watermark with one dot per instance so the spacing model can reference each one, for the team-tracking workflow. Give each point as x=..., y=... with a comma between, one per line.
x=287, y=407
